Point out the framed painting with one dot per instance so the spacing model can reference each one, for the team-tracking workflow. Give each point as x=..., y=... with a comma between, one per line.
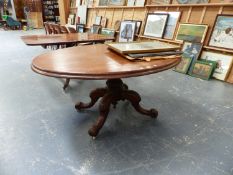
x=127, y=31
x=96, y=28
x=155, y=24
x=222, y=33
x=224, y=63
x=103, y=3
x=156, y=2
x=184, y=65
x=103, y=22
x=191, y=32
x=191, y=50
x=202, y=69
x=138, y=25
x=80, y=28
x=130, y=2
x=98, y=20
x=173, y=18
x=139, y=3
x=108, y=32
x=192, y=1
x=116, y=2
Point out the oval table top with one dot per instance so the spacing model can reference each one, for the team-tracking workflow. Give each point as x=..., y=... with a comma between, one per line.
x=34, y=40
x=95, y=62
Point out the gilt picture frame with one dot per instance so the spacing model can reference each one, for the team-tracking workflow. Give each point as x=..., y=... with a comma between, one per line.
x=191, y=32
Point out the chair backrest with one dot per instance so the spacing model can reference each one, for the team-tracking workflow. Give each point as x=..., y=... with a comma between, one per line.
x=96, y=29
x=72, y=30
x=56, y=29
x=63, y=29
x=47, y=29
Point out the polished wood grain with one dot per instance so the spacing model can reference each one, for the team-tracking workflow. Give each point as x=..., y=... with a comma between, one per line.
x=98, y=62
x=95, y=62
x=36, y=40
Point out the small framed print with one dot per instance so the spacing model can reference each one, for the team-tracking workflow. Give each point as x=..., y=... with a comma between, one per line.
x=184, y=65
x=222, y=33
x=155, y=24
x=156, y=2
x=202, y=69
x=98, y=20
x=103, y=3
x=172, y=23
x=138, y=25
x=127, y=31
x=139, y=3
x=103, y=22
x=224, y=63
x=116, y=2
x=80, y=28
x=96, y=28
x=117, y=25
x=130, y=2
x=191, y=32
x=108, y=32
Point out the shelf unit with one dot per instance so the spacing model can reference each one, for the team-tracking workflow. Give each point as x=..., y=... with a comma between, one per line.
x=50, y=9
x=191, y=13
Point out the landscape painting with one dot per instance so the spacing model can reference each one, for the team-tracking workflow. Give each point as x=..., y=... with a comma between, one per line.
x=191, y=32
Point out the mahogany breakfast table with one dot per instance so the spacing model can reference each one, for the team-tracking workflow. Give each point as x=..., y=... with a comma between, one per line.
x=97, y=62
x=69, y=38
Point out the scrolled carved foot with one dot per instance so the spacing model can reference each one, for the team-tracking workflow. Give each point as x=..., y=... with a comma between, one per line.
x=94, y=95
x=153, y=113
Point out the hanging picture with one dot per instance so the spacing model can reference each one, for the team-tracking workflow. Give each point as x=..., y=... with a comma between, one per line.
x=192, y=1
x=184, y=65
x=224, y=63
x=173, y=18
x=156, y=2
x=202, y=69
x=103, y=2
x=192, y=32
x=127, y=31
x=155, y=24
x=139, y=3
x=98, y=20
x=116, y=2
x=222, y=33
x=103, y=22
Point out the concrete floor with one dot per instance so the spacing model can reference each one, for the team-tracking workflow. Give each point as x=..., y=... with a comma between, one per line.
x=42, y=134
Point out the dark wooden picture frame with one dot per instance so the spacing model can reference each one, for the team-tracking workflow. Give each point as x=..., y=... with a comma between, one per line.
x=127, y=31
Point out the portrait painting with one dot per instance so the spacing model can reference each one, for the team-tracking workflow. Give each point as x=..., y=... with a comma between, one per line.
x=173, y=18
x=191, y=32
x=155, y=24
x=202, y=69
x=222, y=33
x=224, y=63
x=191, y=50
x=184, y=65
x=127, y=31
x=138, y=25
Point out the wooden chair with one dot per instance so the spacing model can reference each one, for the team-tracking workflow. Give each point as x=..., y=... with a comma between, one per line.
x=63, y=29
x=48, y=31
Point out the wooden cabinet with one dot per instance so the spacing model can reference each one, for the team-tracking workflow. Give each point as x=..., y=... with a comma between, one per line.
x=50, y=9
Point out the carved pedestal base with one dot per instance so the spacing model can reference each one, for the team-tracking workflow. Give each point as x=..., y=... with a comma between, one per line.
x=116, y=90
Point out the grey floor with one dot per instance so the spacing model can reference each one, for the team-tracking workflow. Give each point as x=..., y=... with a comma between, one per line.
x=42, y=134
